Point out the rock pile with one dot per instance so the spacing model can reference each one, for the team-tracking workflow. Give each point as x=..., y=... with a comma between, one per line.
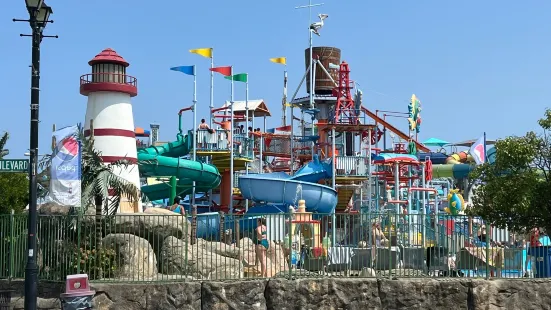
x=158, y=244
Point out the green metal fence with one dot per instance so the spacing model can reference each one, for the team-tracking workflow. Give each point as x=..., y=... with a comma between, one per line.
x=212, y=246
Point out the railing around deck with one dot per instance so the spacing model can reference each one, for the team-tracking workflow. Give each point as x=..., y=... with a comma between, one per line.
x=219, y=140
x=352, y=166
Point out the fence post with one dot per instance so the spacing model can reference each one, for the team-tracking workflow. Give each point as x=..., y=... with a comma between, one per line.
x=487, y=251
x=390, y=242
x=290, y=235
x=222, y=230
x=237, y=228
x=10, y=256
x=193, y=236
x=79, y=220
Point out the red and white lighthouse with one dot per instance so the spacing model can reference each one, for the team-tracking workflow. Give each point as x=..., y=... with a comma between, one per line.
x=109, y=90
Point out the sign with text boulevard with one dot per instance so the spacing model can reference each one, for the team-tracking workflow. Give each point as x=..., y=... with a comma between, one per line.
x=14, y=165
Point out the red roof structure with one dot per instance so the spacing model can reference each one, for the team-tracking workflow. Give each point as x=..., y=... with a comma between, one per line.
x=109, y=55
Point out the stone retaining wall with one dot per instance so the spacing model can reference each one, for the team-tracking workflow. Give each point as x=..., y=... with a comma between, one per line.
x=284, y=294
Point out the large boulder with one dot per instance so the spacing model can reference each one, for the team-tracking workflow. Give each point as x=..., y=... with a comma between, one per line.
x=53, y=208
x=135, y=258
x=178, y=257
x=155, y=225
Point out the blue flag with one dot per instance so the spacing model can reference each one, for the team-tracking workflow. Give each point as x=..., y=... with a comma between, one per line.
x=66, y=167
x=189, y=70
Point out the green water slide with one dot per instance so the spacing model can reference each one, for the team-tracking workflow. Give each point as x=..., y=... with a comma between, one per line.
x=164, y=161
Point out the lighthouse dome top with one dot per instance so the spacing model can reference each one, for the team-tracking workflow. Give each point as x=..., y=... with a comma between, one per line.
x=109, y=55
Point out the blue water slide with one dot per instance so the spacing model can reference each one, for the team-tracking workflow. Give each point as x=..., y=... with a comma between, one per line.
x=208, y=224
x=435, y=157
x=281, y=189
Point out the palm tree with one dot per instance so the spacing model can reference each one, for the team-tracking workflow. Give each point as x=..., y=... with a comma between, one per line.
x=3, y=141
x=101, y=186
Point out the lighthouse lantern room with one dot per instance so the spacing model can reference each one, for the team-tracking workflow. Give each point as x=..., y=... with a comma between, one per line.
x=109, y=90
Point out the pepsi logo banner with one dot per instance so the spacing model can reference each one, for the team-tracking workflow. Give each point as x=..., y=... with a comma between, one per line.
x=65, y=168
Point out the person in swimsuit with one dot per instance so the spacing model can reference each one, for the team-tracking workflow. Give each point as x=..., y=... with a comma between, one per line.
x=176, y=207
x=260, y=250
x=204, y=124
x=378, y=240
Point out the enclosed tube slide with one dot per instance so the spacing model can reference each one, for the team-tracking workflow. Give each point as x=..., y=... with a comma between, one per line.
x=453, y=166
x=456, y=171
x=164, y=161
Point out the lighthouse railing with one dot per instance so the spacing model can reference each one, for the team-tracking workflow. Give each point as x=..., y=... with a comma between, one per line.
x=108, y=77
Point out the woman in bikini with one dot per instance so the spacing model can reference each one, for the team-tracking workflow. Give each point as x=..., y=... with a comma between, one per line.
x=176, y=207
x=261, y=245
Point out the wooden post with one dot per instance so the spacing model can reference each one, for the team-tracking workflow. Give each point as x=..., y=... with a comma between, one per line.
x=193, y=237
x=222, y=230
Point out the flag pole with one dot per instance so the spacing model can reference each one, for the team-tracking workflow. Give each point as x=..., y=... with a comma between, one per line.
x=246, y=105
x=247, y=131
x=231, y=142
x=284, y=103
x=292, y=139
x=192, y=200
x=210, y=110
x=485, y=157
x=211, y=87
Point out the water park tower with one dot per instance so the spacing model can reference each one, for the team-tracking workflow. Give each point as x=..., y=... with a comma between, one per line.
x=154, y=136
x=109, y=112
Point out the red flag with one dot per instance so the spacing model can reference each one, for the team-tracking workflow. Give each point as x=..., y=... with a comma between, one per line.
x=227, y=70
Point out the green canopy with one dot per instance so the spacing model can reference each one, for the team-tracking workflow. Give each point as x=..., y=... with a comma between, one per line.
x=435, y=142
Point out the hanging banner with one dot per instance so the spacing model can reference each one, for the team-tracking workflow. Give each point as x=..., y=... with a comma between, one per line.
x=66, y=167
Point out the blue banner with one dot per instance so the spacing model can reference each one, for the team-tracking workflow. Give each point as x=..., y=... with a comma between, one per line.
x=66, y=167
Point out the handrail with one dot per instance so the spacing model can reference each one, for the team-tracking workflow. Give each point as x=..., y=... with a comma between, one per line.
x=422, y=189
x=116, y=78
x=219, y=109
x=236, y=139
x=180, y=118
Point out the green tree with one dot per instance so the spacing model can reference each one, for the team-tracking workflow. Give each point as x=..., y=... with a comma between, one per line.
x=514, y=191
x=14, y=187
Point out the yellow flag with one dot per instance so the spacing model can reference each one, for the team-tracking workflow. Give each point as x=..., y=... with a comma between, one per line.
x=205, y=52
x=279, y=60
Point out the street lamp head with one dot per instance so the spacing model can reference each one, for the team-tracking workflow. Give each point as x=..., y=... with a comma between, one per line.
x=39, y=10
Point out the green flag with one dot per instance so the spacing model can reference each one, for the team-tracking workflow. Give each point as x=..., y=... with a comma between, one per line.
x=240, y=77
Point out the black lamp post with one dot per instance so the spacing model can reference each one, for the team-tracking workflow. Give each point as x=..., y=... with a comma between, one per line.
x=39, y=14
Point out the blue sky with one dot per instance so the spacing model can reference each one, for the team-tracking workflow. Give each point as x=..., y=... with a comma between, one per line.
x=476, y=65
